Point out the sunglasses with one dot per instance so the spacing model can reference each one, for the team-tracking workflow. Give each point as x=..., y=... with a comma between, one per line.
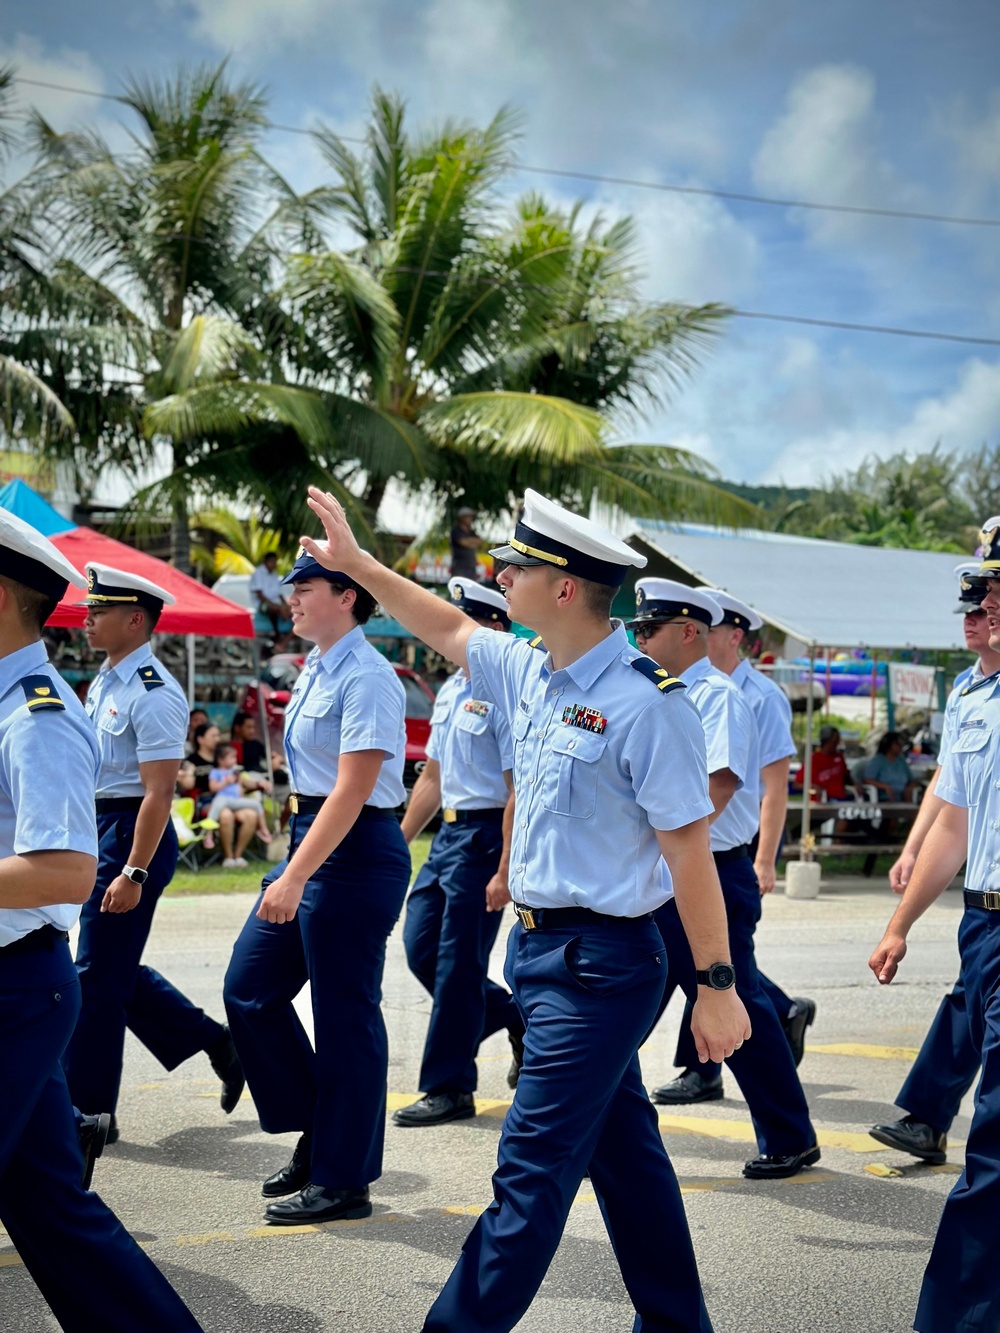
x=644, y=632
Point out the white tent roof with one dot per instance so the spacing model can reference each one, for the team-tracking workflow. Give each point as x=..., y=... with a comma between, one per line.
x=830, y=594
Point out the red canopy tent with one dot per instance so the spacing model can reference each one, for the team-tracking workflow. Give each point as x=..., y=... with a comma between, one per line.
x=198, y=610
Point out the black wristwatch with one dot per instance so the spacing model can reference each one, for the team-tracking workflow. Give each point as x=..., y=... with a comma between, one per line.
x=720, y=976
x=136, y=875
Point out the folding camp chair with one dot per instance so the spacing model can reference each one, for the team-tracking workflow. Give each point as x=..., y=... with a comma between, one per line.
x=191, y=833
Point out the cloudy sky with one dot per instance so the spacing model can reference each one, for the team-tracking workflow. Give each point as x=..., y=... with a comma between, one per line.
x=886, y=104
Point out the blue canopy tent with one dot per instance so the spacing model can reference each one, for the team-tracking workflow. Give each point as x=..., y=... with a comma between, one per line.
x=18, y=498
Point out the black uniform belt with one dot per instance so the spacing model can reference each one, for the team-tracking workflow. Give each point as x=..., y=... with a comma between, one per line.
x=115, y=805
x=989, y=900
x=550, y=918
x=731, y=854
x=312, y=805
x=45, y=937
x=491, y=816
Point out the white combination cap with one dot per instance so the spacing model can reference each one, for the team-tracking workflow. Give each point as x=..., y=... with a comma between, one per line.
x=29, y=558
x=665, y=599
x=734, y=612
x=548, y=534
x=112, y=587
x=479, y=602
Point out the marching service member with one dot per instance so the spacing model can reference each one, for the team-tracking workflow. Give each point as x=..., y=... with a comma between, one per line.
x=595, y=727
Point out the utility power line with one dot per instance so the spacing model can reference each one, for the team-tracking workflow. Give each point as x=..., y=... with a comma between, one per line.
x=628, y=181
x=771, y=316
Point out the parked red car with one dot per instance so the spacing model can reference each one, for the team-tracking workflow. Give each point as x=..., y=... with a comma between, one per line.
x=279, y=673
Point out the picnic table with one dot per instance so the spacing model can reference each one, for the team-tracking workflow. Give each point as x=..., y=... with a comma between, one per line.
x=874, y=826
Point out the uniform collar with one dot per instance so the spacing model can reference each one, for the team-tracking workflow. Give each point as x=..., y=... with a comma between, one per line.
x=333, y=656
x=129, y=665
x=699, y=670
x=742, y=670
x=585, y=671
x=21, y=663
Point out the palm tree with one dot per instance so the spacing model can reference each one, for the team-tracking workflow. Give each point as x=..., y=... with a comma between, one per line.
x=30, y=408
x=151, y=311
x=495, y=349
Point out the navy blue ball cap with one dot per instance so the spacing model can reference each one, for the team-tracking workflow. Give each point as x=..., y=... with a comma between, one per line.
x=306, y=567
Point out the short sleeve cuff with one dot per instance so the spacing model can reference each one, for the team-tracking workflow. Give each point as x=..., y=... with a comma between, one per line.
x=152, y=756
x=666, y=819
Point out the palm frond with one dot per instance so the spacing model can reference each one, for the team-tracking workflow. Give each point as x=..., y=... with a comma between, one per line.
x=27, y=399
x=531, y=426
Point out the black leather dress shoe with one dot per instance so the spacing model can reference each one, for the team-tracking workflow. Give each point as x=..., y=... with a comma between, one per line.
x=795, y=1026
x=316, y=1204
x=688, y=1088
x=93, y=1131
x=913, y=1136
x=436, y=1109
x=777, y=1168
x=294, y=1176
x=226, y=1063
x=516, y=1040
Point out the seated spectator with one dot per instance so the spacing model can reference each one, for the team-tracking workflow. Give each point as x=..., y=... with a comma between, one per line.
x=829, y=768
x=197, y=718
x=228, y=794
x=197, y=764
x=251, y=754
x=888, y=771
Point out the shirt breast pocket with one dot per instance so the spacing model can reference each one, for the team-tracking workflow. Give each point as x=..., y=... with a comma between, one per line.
x=470, y=731
x=573, y=772
x=972, y=749
x=313, y=728
x=112, y=732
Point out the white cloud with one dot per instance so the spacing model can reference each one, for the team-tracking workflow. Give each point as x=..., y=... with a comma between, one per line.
x=961, y=419
x=63, y=66
x=695, y=250
x=824, y=148
x=241, y=24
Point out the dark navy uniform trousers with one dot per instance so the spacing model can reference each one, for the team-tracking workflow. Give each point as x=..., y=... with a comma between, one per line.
x=763, y=1067
x=86, y=1265
x=946, y=1065
x=336, y=942
x=117, y=990
x=448, y=935
x=686, y=1056
x=588, y=995
x=960, y=1292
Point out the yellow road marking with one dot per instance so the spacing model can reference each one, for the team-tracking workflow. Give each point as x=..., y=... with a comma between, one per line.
x=866, y=1052
x=206, y=1238
x=741, y=1131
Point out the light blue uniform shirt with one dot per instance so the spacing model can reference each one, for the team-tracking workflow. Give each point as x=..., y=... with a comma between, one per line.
x=135, y=725
x=731, y=742
x=970, y=676
x=970, y=777
x=470, y=739
x=771, y=711
x=48, y=771
x=590, y=796
x=345, y=700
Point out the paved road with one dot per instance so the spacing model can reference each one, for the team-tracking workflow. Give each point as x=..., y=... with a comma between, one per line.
x=836, y=1250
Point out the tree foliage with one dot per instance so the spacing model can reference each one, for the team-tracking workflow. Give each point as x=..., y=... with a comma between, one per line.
x=184, y=306
x=923, y=502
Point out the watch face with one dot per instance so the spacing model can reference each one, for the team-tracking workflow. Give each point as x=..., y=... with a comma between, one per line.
x=722, y=976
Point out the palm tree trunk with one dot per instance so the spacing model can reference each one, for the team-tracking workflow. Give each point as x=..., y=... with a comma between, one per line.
x=180, y=533
x=374, y=495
